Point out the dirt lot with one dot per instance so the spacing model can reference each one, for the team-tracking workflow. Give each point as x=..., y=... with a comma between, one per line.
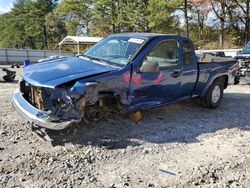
x=181, y=145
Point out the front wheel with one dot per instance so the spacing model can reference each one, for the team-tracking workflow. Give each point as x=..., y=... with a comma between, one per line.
x=214, y=96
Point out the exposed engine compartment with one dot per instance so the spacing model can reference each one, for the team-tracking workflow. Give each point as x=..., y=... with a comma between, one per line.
x=70, y=103
x=55, y=102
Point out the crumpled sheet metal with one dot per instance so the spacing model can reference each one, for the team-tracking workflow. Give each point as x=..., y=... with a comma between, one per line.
x=91, y=90
x=85, y=90
x=54, y=110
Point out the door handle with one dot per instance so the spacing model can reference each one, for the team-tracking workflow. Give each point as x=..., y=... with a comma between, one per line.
x=176, y=74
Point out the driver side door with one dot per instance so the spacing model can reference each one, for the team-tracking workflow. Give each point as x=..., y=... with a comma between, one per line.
x=160, y=82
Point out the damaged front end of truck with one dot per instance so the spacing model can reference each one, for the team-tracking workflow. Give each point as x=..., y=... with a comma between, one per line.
x=56, y=101
x=46, y=107
x=58, y=108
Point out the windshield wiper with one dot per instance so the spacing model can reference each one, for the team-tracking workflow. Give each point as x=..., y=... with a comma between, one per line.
x=106, y=62
x=94, y=58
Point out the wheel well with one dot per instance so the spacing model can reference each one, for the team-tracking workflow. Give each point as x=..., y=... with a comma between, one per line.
x=108, y=97
x=223, y=79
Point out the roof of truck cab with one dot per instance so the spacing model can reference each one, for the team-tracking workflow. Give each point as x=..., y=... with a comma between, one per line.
x=146, y=35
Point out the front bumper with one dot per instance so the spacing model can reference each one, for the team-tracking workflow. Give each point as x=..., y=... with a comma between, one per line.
x=34, y=115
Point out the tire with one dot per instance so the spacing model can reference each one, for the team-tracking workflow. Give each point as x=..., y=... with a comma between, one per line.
x=8, y=78
x=10, y=75
x=214, y=95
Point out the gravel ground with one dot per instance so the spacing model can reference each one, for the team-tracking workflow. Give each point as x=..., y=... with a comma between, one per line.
x=180, y=145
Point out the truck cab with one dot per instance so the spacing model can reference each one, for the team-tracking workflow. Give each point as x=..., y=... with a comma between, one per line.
x=166, y=71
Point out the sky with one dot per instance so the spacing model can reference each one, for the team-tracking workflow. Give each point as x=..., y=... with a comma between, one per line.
x=5, y=5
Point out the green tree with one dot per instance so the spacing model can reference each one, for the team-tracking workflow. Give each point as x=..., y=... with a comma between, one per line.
x=76, y=14
x=24, y=26
x=41, y=9
x=105, y=17
x=132, y=16
x=114, y=16
x=161, y=16
x=56, y=29
x=239, y=14
x=8, y=36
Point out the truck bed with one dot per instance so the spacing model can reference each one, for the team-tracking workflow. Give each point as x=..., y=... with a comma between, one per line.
x=217, y=65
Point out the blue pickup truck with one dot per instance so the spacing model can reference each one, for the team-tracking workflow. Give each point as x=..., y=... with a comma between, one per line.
x=130, y=72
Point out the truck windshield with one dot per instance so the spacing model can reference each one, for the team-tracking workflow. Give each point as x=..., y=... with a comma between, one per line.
x=115, y=50
x=246, y=49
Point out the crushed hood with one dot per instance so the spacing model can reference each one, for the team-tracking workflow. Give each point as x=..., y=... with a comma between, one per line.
x=56, y=72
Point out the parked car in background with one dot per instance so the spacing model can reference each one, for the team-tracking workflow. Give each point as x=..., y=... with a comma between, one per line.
x=217, y=54
x=131, y=71
x=7, y=75
x=243, y=57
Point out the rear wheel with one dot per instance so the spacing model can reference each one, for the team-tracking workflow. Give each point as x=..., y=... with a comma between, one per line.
x=214, y=96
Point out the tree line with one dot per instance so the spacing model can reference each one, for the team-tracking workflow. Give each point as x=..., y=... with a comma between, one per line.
x=42, y=24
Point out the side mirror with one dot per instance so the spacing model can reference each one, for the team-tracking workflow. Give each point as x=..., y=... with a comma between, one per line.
x=149, y=66
x=238, y=52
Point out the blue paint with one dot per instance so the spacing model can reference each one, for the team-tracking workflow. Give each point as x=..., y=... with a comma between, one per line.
x=78, y=88
x=53, y=73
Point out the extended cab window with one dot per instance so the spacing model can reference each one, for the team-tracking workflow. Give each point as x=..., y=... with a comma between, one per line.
x=165, y=53
x=187, y=52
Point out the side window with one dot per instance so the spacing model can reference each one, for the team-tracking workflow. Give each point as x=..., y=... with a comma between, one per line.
x=165, y=54
x=187, y=52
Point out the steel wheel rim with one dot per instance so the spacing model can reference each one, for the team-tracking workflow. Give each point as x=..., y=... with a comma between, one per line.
x=216, y=94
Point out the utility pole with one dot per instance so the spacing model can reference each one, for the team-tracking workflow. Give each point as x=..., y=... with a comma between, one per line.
x=186, y=17
x=247, y=21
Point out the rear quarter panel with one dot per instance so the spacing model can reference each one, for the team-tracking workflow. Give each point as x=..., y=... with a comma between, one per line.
x=208, y=72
